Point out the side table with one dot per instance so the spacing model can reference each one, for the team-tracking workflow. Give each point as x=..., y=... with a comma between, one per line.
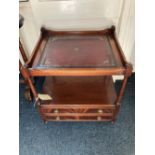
x=78, y=69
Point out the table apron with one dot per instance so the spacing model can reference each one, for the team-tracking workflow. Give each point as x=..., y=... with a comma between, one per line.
x=76, y=72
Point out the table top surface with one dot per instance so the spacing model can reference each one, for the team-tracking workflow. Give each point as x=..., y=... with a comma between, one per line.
x=77, y=51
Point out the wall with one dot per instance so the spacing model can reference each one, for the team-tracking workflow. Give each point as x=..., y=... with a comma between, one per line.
x=70, y=14
x=75, y=14
x=126, y=32
x=28, y=33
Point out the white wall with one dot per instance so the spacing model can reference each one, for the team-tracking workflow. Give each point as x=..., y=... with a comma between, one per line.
x=28, y=33
x=76, y=14
x=126, y=30
x=70, y=14
x=73, y=13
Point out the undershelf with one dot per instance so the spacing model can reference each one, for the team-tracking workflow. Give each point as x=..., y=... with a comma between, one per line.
x=78, y=99
x=80, y=90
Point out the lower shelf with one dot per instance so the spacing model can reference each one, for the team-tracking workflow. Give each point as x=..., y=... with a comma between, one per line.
x=78, y=99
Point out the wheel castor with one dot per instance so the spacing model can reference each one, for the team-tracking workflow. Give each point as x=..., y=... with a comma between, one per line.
x=27, y=95
x=113, y=121
x=45, y=121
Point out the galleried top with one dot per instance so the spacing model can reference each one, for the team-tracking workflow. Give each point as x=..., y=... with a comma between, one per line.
x=77, y=50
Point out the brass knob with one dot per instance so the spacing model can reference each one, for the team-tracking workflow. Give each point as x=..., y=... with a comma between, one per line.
x=56, y=111
x=57, y=118
x=99, y=118
x=100, y=111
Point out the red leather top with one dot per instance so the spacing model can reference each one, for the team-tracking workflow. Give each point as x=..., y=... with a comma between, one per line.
x=77, y=51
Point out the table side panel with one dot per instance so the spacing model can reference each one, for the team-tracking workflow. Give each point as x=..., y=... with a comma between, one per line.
x=40, y=52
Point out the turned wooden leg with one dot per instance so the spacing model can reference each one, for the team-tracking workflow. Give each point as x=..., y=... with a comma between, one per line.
x=119, y=97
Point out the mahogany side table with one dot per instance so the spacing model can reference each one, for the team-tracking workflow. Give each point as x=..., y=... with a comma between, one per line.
x=78, y=69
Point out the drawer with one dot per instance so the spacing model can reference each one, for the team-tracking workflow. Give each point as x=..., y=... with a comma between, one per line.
x=76, y=113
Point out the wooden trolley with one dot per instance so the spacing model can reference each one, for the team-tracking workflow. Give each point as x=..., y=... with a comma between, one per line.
x=78, y=69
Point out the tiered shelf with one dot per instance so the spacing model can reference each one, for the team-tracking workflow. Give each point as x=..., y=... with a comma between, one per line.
x=78, y=98
x=78, y=69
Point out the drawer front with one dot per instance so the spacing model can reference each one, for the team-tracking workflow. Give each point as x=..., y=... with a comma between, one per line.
x=77, y=112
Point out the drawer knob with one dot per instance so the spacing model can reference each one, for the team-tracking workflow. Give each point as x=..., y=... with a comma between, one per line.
x=100, y=111
x=99, y=118
x=57, y=118
x=56, y=111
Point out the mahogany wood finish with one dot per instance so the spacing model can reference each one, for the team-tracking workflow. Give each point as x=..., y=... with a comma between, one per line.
x=82, y=90
x=78, y=69
x=20, y=66
x=25, y=59
x=22, y=52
